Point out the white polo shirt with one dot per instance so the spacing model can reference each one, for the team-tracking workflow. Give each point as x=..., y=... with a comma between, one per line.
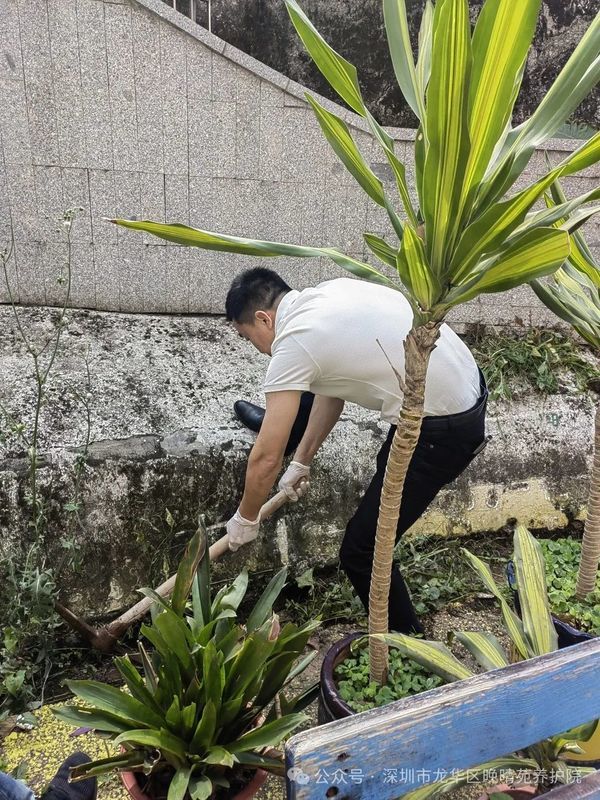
x=326, y=342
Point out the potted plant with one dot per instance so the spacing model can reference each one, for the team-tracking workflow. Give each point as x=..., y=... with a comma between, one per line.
x=464, y=238
x=531, y=634
x=202, y=716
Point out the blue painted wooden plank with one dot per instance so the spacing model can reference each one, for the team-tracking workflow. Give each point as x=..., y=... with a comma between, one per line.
x=454, y=727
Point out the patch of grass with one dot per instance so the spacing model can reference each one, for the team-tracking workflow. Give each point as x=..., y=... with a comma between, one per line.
x=546, y=361
x=434, y=569
x=329, y=596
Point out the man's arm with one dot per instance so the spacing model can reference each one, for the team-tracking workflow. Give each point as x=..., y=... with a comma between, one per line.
x=323, y=416
x=266, y=457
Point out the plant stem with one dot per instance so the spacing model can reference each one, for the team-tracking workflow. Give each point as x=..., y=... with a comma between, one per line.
x=590, y=547
x=418, y=347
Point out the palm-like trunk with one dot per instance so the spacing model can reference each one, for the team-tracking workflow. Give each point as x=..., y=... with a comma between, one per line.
x=418, y=347
x=590, y=548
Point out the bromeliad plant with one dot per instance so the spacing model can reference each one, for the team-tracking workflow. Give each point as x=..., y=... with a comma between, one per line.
x=462, y=238
x=532, y=634
x=573, y=293
x=212, y=694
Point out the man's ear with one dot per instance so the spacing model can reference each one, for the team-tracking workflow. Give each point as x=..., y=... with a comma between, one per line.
x=264, y=318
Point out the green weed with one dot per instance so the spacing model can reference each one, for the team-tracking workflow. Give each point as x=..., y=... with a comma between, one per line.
x=405, y=678
x=546, y=361
x=562, y=565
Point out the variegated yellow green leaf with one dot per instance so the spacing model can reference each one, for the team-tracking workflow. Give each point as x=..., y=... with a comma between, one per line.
x=446, y=129
x=381, y=249
x=583, y=263
x=501, y=41
x=535, y=254
x=556, y=212
x=584, y=156
x=425, y=41
x=424, y=285
x=578, y=77
x=514, y=626
x=493, y=227
x=396, y=26
x=340, y=74
x=580, y=309
x=582, y=733
x=183, y=234
x=437, y=788
x=573, y=293
x=431, y=655
x=533, y=594
x=339, y=137
x=485, y=648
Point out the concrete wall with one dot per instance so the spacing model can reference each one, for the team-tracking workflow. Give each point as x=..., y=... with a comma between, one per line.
x=163, y=436
x=130, y=109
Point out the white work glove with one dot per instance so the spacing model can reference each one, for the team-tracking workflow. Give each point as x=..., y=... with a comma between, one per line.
x=241, y=530
x=295, y=480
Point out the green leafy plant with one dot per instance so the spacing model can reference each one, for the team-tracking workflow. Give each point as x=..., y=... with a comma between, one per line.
x=532, y=634
x=405, y=678
x=541, y=360
x=211, y=698
x=434, y=572
x=328, y=597
x=29, y=623
x=462, y=239
x=562, y=562
x=574, y=295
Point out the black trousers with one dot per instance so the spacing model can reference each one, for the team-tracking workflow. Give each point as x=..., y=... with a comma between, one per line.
x=445, y=448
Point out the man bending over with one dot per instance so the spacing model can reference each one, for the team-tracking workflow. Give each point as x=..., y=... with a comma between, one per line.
x=336, y=341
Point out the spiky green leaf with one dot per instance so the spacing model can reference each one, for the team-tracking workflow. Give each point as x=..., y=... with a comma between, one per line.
x=434, y=656
x=396, y=26
x=485, y=648
x=530, y=568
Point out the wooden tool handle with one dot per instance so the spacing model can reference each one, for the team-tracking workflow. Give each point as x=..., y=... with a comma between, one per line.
x=216, y=550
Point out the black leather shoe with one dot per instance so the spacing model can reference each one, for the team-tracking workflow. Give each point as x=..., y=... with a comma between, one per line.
x=61, y=789
x=252, y=416
x=249, y=414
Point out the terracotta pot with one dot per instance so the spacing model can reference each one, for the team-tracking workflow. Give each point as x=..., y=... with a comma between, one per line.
x=132, y=786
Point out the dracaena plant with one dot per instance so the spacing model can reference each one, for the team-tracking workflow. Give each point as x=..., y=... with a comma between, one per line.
x=211, y=696
x=573, y=293
x=462, y=237
x=531, y=634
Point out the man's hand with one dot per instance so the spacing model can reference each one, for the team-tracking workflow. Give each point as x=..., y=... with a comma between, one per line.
x=241, y=530
x=295, y=480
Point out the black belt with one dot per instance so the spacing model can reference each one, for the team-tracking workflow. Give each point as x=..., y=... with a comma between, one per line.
x=463, y=418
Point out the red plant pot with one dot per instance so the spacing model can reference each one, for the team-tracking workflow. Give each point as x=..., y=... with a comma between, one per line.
x=249, y=791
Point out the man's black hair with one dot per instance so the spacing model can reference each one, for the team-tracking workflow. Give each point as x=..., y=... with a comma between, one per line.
x=253, y=290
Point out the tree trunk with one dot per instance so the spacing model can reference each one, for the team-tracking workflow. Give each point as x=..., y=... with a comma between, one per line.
x=590, y=548
x=418, y=347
